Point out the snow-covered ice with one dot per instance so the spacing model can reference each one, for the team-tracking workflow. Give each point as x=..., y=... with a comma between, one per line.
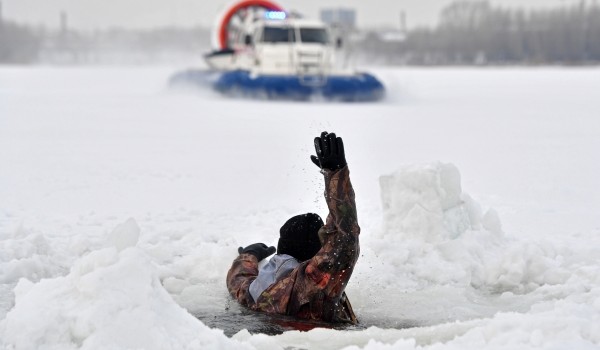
x=122, y=205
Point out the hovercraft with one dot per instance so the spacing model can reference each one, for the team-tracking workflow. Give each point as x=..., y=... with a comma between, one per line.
x=263, y=51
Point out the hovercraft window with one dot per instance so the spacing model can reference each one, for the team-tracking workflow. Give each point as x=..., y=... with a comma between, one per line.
x=278, y=35
x=314, y=35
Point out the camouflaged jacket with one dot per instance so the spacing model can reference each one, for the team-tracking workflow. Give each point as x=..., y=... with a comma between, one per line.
x=315, y=289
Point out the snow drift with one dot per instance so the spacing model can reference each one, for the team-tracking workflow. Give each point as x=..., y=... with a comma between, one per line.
x=111, y=298
x=443, y=236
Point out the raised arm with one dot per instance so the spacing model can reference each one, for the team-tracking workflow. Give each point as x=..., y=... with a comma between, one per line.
x=332, y=266
x=326, y=275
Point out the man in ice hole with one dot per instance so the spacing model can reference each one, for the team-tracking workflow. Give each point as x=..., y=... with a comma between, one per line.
x=314, y=261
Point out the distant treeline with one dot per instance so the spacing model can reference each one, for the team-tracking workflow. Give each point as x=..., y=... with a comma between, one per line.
x=24, y=44
x=18, y=44
x=469, y=32
x=124, y=45
x=478, y=33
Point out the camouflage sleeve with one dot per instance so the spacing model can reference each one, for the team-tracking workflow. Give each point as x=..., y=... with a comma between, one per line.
x=243, y=271
x=328, y=272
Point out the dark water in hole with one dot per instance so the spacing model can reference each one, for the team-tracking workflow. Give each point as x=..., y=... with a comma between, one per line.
x=236, y=318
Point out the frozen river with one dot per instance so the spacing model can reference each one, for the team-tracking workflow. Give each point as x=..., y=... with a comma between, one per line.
x=122, y=205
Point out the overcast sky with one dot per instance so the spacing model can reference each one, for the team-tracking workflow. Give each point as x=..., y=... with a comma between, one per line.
x=98, y=14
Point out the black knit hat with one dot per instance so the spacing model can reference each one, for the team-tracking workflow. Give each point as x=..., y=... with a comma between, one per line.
x=299, y=236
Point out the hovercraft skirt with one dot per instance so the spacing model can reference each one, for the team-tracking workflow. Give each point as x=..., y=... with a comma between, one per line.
x=357, y=87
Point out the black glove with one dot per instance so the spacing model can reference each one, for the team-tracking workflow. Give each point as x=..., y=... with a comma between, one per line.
x=330, y=152
x=259, y=250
